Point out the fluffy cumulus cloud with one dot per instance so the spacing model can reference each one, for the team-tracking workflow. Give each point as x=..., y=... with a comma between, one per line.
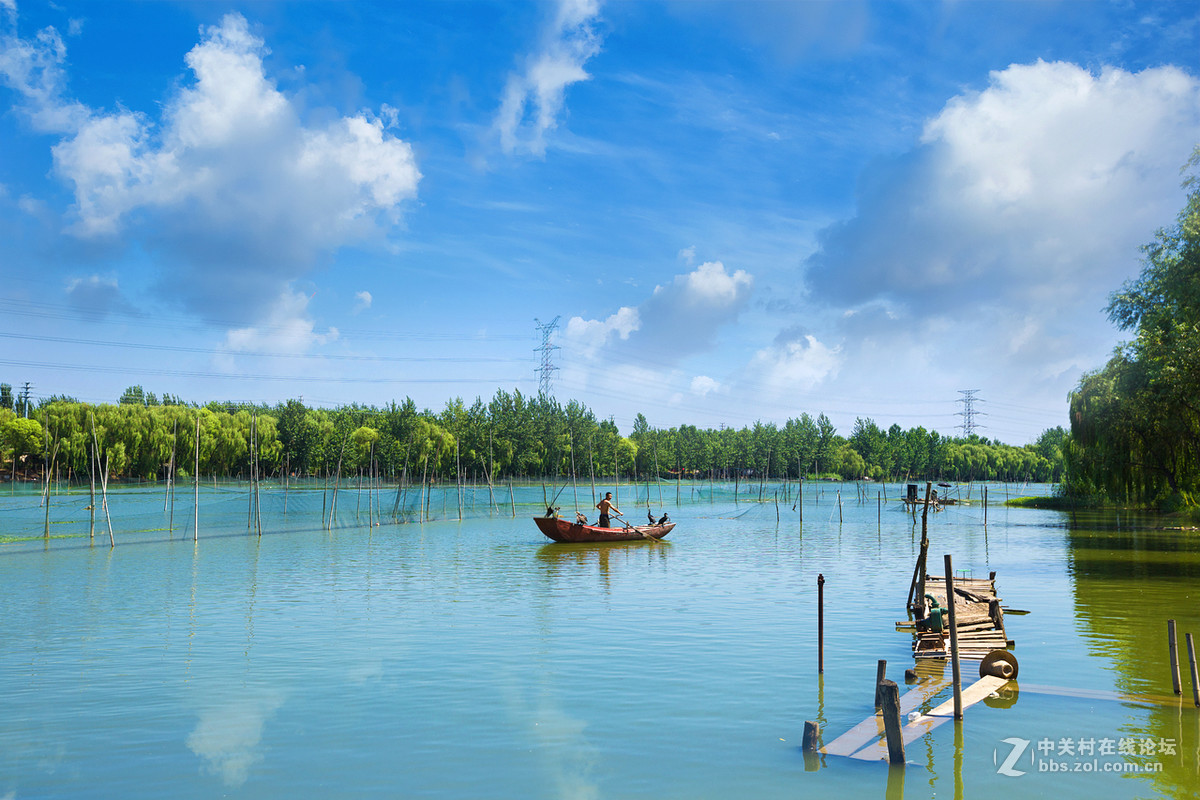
x=589, y=335
x=1021, y=208
x=702, y=385
x=795, y=362
x=287, y=330
x=533, y=97
x=1049, y=175
x=678, y=319
x=231, y=187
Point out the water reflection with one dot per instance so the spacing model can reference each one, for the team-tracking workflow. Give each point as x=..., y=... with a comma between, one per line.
x=227, y=735
x=1130, y=576
x=564, y=560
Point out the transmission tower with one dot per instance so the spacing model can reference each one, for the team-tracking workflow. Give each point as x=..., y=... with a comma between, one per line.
x=547, y=369
x=25, y=397
x=969, y=413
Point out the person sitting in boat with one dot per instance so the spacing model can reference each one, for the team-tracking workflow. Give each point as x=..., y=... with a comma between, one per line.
x=606, y=507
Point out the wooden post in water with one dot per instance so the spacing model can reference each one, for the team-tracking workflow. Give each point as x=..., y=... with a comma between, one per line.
x=958, y=706
x=104, y=501
x=879, y=509
x=1173, y=645
x=1191, y=648
x=458, y=478
x=92, y=496
x=512, y=499
x=820, y=624
x=985, y=505
x=250, y=485
x=889, y=695
x=880, y=675
x=196, y=486
x=812, y=736
x=800, y=498
x=839, y=495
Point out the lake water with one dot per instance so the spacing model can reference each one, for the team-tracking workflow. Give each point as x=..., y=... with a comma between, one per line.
x=475, y=658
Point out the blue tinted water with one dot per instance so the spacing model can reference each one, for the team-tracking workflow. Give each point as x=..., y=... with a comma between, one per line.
x=474, y=658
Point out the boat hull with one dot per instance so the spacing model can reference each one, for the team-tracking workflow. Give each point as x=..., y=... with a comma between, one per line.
x=561, y=530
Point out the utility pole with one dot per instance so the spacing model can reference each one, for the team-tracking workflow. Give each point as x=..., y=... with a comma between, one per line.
x=969, y=413
x=547, y=369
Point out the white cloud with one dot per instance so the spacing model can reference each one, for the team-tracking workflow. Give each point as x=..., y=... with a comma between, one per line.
x=702, y=385
x=589, y=335
x=362, y=301
x=984, y=257
x=232, y=189
x=795, y=364
x=709, y=285
x=1004, y=231
x=1043, y=185
x=678, y=319
x=533, y=99
x=287, y=330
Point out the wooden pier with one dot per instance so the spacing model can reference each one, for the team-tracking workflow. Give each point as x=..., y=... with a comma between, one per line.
x=978, y=615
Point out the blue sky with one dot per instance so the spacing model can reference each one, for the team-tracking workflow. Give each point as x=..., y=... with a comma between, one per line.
x=737, y=211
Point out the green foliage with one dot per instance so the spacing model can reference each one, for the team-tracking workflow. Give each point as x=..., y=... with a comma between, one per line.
x=1135, y=424
x=511, y=436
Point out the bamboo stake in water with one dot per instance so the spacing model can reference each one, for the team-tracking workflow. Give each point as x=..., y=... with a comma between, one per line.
x=574, y=483
x=112, y=542
x=1191, y=648
x=196, y=485
x=92, y=496
x=1173, y=645
x=458, y=478
x=257, y=484
x=250, y=482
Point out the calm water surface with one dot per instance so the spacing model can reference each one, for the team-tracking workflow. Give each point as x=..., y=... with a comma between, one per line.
x=474, y=658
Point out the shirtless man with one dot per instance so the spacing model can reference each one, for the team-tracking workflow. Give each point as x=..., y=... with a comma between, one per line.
x=605, y=507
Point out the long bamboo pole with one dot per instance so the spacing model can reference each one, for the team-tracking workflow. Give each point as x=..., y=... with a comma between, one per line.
x=92, y=495
x=574, y=483
x=196, y=485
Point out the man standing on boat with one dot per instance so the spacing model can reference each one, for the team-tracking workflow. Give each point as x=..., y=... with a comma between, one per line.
x=605, y=507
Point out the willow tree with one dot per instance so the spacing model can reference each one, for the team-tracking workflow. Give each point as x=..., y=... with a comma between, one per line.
x=1135, y=425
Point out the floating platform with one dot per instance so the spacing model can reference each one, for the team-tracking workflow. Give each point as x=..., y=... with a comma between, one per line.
x=979, y=620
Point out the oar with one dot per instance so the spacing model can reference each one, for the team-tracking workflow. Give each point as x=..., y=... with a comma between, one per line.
x=634, y=528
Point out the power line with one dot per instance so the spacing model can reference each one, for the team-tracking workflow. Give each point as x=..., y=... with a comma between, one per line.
x=253, y=354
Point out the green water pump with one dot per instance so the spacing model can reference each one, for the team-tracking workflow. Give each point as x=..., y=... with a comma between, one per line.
x=936, y=612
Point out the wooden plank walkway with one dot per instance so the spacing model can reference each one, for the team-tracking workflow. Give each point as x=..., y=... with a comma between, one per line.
x=980, y=690
x=871, y=728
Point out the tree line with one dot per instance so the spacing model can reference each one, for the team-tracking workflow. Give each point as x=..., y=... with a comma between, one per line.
x=1135, y=423
x=511, y=436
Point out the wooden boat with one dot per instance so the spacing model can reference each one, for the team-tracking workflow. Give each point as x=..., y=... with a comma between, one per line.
x=561, y=530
